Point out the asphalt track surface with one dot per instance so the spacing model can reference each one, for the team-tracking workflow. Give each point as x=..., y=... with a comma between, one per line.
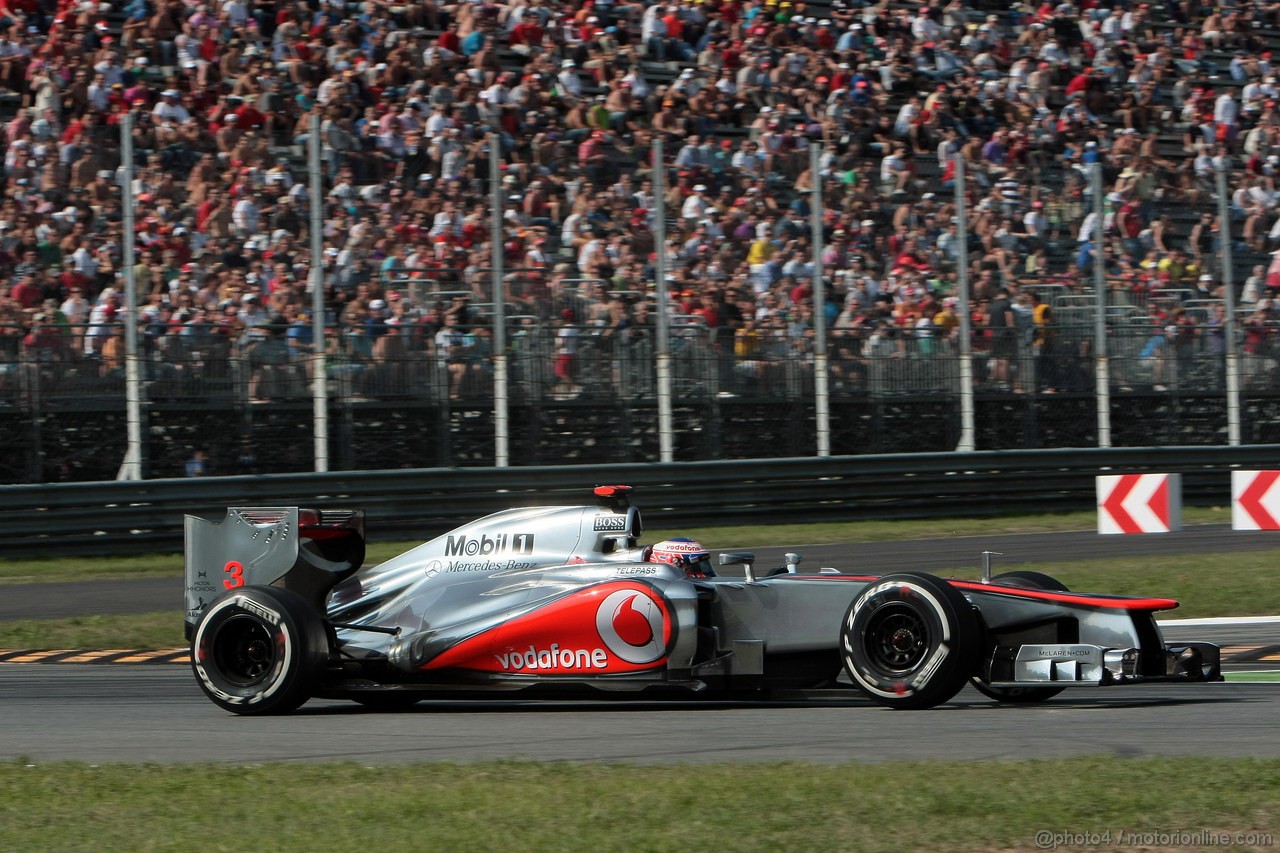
x=156, y=713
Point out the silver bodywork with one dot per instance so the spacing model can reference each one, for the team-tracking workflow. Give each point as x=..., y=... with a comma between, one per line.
x=562, y=595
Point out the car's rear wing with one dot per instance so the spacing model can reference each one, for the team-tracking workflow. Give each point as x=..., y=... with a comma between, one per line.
x=305, y=550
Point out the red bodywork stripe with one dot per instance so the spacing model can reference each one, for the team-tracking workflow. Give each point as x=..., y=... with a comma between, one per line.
x=1119, y=602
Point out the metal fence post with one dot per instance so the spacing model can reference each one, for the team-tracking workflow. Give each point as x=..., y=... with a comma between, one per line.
x=821, y=390
x=1232, y=365
x=501, y=423
x=665, y=437
x=1102, y=371
x=967, y=441
x=319, y=369
x=131, y=467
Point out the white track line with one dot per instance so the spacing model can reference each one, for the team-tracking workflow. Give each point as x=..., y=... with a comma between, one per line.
x=1222, y=620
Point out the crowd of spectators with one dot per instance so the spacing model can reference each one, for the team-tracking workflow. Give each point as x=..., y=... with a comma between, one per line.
x=223, y=93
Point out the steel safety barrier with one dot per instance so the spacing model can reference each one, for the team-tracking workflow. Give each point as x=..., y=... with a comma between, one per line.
x=122, y=518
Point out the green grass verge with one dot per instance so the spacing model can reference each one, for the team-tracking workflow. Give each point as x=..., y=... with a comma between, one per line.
x=1241, y=584
x=1262, y=677
x=159, y=630
x=559, y=806
x=75, y=569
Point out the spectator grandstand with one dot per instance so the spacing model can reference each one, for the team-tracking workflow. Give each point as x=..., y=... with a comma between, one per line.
x=1029, y=96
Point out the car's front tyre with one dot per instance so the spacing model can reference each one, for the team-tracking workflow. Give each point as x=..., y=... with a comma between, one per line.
x=909, y=640
x=259, y=650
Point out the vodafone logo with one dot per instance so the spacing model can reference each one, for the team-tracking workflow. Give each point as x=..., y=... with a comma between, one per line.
x=631, y=625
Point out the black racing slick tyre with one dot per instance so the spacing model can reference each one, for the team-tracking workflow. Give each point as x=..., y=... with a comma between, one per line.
x=910, y=640
x=1023, y=695
x=259, y=650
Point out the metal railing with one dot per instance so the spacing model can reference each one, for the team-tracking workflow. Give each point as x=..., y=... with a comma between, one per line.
x=241, y=394
x=140, y=517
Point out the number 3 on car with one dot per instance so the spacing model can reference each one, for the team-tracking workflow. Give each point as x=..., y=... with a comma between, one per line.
x=236, y=569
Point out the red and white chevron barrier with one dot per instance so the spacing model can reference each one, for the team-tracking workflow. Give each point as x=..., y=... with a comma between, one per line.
x=1139, y=503
x=1255, y=500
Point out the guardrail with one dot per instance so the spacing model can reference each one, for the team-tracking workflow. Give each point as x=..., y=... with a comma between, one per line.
x=137, y=517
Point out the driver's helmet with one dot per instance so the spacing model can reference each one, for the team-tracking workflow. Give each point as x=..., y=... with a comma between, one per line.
x=683, y=553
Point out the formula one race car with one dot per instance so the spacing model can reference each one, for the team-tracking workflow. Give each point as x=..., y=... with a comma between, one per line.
x=278, y=611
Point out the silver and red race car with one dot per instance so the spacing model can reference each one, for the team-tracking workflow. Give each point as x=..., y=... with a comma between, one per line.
x=278, y=611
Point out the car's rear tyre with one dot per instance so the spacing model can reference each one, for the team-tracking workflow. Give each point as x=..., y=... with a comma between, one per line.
x=388, y=700
x=259, y=650
x=909, y=640
x=1023, y=695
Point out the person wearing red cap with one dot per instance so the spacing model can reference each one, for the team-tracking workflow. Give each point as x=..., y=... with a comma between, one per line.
x=566, y=364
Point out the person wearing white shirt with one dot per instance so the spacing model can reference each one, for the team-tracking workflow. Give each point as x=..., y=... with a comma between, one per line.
x=245, y=215
x=237, y=12
x=1086, y=234
x=453, y=160
x=651, y=23
x=1261, y=194
x=447, y=221
x=1127, y=22
x=99, y=317
x=748, y=160
x=496, y=95
x=588, y=253
x=85, y=262
x=1237, y=67
x=924, y=28
x=726, y=85
x=1251, y=98
x=1254, y=287
x=569, y=228
x=713, y=229
x=169, y=110
x=1054, y=54
x=1035, y=223
x=111, y=70
x=695, y=206
x=1113, y=26
x=639, y=86
x=99, y=89
x=1226, y=111
x=438, y=123
x=437, y=55
x=906, y=116
x=75, y=308
x=568, y=79
x=690, y=155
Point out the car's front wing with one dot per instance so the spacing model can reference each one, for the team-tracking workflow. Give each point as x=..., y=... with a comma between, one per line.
x=1085, y=665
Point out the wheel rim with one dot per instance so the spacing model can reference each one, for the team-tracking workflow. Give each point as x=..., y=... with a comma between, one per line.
x=244, y=651
x=897, y=639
